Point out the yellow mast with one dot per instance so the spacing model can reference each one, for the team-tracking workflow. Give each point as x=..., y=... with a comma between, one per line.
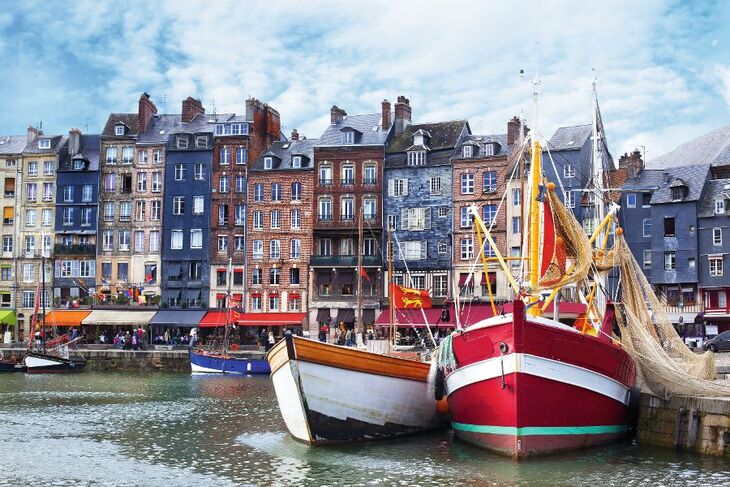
x=535, y=172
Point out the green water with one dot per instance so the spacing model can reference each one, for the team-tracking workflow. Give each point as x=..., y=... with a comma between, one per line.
x=121, y=429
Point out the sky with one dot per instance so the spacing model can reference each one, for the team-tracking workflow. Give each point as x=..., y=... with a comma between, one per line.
x=662, y=67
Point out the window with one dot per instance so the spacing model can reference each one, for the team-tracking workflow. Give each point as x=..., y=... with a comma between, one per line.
x=324, y=246
x=296, y=191
x=108, y=240
x=139, y=241
x=156, y=185
x=156, y=156
x=488, y=250
x=179, y=172
x=258, y=249
x=569, y=171
x=109, y=211
x=325, y=175
x=466, y=151
x=715, y=265
x=294, y=276
x=195, y=270
x=434, y=186
x=150, y=273
x=443, y=212
x=490, y=182
x=156, y=210
x=241, y=155
x=46, y=217
x=142, y=157
x=717, y=236
x=154, y=241
x=398, y=187
x=275, y=218
x=416, y=219
x=127, y=155
x=182, y=142
x=122, y=271
x=296, y=162
x=647, y=258
x=110, y=183
x=258, y=192
x=296, y=219
x=295, y=248
x=48, y=192
x=8, y=215
x=273, y=302
x=347, y=209
x=33, y=168
x=440, y=285
x=28, y=272
x=489, y=149
x=443, y=247
x=31, y=191
x=348, y=137
x=141, y=182
x=369, y=246
x=223, y=184
x=719, y=206
x=258, y=220
x=222, y=243
x=417, y=158
x=268, y=162
x=678, y=192
x=7, y=243
x=240, y=184
x=125, y=211
x=87, y=192
x=370, y=208
x=413, y=250
x=223, y=215
x=29, y=244
x=238, y=243
x=467, y=248
x=196, y=238
x=516, y=227
x=295, y=304
x=347, y=247
x=176, y=239
x=124, y=240
x=29, y=218
x=392, y=220
x=68, y=216
x=111, y=155
x=28, y=299
x=48, y=168
x=369, y=175
x=86, y=217
x=225, y=154
x=239, y=214
x=78, y=164
x=178, y=205
x=275, y=192
x=348, y=175
x=569, y=199
x=139, y=210
x=467, y=184
x=670, y=261
x=631, y=200
x=489, y=214
x=647, y=227
x=325, y=209
x=119, y=130
x=274, y=249
x=669, y=226
x=465, y=220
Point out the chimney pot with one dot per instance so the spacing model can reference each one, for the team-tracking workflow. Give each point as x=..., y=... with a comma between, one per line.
x=32, y=134
x=294, y=134
x=74, y=141
x=402, y=114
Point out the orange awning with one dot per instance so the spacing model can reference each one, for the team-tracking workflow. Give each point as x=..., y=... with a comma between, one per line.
x=269, y=319
x=8, y=212
x=60, y=317
x=213, y=319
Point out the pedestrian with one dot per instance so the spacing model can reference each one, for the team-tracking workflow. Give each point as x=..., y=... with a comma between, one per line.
x=323, y=334
x=271, y=341
x=167, y=337
x=193, y=336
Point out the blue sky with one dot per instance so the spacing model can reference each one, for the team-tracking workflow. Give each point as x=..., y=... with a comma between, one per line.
x=663, y=67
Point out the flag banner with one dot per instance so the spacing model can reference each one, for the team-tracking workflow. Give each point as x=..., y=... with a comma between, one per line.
x=405, y=297
x=364, y=274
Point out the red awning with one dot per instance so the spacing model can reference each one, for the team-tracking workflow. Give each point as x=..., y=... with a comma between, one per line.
x=294, y=296
x=273, y=295
x=255, y=295
x=220, y=296
x=213, y=319
x=221, y=269
x=414, y=317
x=269, y=319
x=238, y=271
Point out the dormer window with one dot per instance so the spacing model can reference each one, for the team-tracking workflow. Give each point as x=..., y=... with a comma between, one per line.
x=268, y=162
x=78, y=164
x=296, y=162
x=201, y=141
x=219, y=129
x=44, y=143
x=182, y=142
x=466, y=151
x=119, y=129
x=489, y=150
x=417, y=158
x=677, y=192
x=348, y=137
x=719, y=206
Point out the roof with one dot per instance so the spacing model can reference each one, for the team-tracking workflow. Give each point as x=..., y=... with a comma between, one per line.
x=368, y=125
x=711, y=148
x=284, y=150
x=570, y=138
x=648, y=179
x=444, y=135
x=693, y=176
x=57, y=142
x=131, y=120
x=198, y=124
x=616, y=179
x=225, y=118
x=89, y=150
x=159, y=128
x=714, y=189
x=503, y=149
x=12, y=144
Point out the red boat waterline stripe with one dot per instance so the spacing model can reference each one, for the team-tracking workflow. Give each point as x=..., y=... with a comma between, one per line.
x=539, y=430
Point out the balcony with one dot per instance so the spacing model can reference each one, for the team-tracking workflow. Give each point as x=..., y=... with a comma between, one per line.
x=347, y=218
x=347, y=181
x=370, y=181
x=324, y=217
x=325, y=182
x=344, y=260
x=79, y=249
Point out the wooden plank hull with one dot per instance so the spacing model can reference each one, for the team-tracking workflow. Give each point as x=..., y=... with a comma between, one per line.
x=330, y=394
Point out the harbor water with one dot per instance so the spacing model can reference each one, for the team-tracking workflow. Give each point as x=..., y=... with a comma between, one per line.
x=122, y=429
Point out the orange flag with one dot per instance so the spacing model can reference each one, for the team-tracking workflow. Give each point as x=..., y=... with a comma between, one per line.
x=405, y=297
x=364, y=274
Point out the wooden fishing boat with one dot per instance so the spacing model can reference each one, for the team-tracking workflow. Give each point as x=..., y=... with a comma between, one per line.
x=328, y=393
x=46, y=363
x=222, y=362
x=11, y=366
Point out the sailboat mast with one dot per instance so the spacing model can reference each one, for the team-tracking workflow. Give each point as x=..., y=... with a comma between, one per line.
x=360, y=248
x=42, y=297
x=391, y=311
x=228, y=303
x=535, y=172
x=599, y=208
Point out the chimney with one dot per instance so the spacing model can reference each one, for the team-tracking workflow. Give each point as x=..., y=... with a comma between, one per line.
x=385, y=115
x=513, y=130
x=633, y=162
x=74, y=142
x=294, y=135
x=145, y=112
x=402, y=114
x=190, y=108
x=336, y=114
x=32, y=134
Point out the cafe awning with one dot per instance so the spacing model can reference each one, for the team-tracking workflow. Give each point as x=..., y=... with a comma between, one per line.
x=118, y=318
x=213, y=319
x=346, y=315
x=7, y=317
x=323, y=315
x=368, y=315
x=184, y=318
x=269, y=319
x=60, y=317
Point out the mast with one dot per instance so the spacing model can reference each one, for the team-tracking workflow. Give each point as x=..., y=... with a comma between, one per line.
x=535, y=171
x=599, y=209
x=43, y=299
x=391, y=311
x=229, y=278
x=360, y=248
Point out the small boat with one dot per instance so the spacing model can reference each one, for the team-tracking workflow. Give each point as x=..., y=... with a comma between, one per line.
x=330, y=394
x=202, y=361
x=11, y=366
x=45, y=363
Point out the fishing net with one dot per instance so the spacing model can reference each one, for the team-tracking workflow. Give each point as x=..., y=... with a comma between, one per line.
x=665, y=365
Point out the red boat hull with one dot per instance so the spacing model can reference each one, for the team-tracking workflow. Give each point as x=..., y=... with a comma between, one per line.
x=524, y=387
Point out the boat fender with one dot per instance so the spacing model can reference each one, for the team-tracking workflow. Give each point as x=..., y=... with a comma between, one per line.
x=439, y=386
x=503, y=348
x=442, y=406
x=634, y=411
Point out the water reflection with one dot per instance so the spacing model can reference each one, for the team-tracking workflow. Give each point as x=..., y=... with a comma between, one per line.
x=175, y=429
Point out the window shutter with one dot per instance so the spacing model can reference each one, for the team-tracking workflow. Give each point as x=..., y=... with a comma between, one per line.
x=391, y=187
x=75, y=267
x=404, y=224
x=426, y=218
x=58, y=269
x=92, y=268
x=424, y=252
x=405, y=187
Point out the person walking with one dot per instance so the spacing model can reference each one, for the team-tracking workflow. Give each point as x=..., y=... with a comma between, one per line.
x=270, y=342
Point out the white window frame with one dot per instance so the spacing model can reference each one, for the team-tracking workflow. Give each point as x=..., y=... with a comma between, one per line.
x=631, y=200
x=467, y=151
x=644, y=223
x=715, y=265
x=467, y=183
x=717, y=236
x=119, y=130
x=568, y=171
x=719, y=206
x=176, y=239
x=268, y=162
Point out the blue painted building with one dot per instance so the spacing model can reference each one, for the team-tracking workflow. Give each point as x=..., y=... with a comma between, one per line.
x=186, y=216
x=77, y=202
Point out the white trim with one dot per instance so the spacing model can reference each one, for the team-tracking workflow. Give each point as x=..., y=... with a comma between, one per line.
x=539, y=367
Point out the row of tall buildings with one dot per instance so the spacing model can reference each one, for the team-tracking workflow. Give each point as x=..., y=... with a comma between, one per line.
x=173, y=210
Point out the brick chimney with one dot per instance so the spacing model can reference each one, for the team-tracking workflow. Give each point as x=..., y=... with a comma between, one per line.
x=32, y=134
x=190, y=108
x=294, y=135
x=74, y=142
x=513, y=130
x=145, y=112
x=633, y=162
x=402, y=114
x=385, y=115
x=336, y=114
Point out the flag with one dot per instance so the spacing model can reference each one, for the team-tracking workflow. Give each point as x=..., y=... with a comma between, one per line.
x=364, y=274
x=405, y=297
x=148, y=279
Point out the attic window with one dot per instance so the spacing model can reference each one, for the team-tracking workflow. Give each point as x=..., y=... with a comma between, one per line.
x=268, y=162
x=44, y=144
x=182, y=142
x=719, y=206
x=489, y=149
x=219, y=129
x=466, y=151
x=296, y=161
x=119, y=129
x=417, y=158
x=201, y=141
x=348, y=137
x=678, y=193
x=78, y=164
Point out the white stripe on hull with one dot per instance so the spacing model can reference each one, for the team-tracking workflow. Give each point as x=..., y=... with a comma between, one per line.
x=34, y=362
x=203, y=370
x=290, y=401
x=539, y=367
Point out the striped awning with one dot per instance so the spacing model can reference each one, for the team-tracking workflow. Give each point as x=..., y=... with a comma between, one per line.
x=118, y=318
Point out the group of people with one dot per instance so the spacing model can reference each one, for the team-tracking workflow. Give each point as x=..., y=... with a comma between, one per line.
x=342, y=335
x=134, y=339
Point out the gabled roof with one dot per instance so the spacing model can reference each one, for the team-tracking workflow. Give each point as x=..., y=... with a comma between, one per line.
x=57, y=143
x=159, y=128
x=694, y=177
x=225, y=118
x=502, y=148
x=12, y=144
x=570, y=138
x=712, y=148
x=90, y=145
x=368, y=125
x=284, y=150
x=128, y=119
x=714, y=189
x=444, y=135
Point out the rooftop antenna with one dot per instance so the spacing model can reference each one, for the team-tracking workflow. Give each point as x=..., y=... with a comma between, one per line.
x=212, y=102
x=86, y=126
x=164, y=103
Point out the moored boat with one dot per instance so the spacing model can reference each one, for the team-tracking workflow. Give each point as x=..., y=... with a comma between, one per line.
x=222, y=362
x=329, y=394
x=45, y=363
x=11, y=366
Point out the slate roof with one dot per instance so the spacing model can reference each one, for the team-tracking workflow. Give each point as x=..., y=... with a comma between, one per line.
x=57, y=143
x=570, y=138
x=283, y=151
x=714, y=189
x=164, y=123
x=12, y=144
x=368, y=125
x=648, y=179
x=504, y=149
x=712, y=148
x=659, y=180
x=444, y=135
x=130, y=119
x=197, y=125
x=90, y=145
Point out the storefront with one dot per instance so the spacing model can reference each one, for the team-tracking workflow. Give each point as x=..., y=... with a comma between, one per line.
x=8, y=323
x=176, y=323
